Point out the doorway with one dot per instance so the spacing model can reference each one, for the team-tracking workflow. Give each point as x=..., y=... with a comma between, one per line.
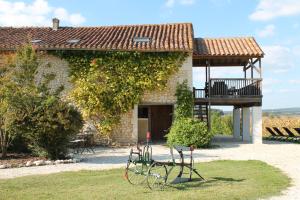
x=154, y=118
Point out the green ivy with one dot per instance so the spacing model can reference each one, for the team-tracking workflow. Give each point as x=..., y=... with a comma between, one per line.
x=108, y=84
x=185, y=101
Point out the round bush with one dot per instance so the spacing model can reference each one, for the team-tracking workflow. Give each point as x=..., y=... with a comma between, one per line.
x=51, y=127
x=188, y=132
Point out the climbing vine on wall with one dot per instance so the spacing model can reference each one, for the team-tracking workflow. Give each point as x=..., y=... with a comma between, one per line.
x=107, y=84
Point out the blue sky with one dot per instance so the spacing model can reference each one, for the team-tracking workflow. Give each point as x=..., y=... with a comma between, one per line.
x=274, y=23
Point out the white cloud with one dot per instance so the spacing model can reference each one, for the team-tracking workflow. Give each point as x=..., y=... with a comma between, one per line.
x=37, y=13
x=171, y=3
x=270, y=9
x=278, y=59
x=296, y=50
x=187, y=2
x=269, y=84
x=270, y=81
x=294, y=81
x=267, y=31
x=287, y=90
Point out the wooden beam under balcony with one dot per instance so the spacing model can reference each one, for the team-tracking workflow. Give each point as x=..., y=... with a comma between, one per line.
x=228, y=101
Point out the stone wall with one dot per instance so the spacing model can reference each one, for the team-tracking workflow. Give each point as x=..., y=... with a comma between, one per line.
x=129, y=123
x=126, y=131
x=167, y=96
x=51, y=64
x=123, y=133
x=57, y=66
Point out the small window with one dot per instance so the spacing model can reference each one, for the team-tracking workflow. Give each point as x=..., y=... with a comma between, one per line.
x=35, y=41
x=143, y=112
x=73, y=41
x=141, y=39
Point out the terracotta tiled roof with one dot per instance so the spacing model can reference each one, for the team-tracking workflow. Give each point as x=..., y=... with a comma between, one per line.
x=163, y=37
x=237, y=46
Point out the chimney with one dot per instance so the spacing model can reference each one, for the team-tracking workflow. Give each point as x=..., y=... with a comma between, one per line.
x=55, y=24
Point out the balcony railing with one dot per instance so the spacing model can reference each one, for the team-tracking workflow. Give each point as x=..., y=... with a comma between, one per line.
x=230, y=87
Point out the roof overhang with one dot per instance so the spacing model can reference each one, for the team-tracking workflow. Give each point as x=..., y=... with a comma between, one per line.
x=221, y=61
x=225, y=51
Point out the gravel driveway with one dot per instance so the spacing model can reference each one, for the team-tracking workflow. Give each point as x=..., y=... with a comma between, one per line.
x=285, y=156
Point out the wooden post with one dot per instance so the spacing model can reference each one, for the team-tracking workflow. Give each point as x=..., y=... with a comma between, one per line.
x=251, y=68
x=260, y=69
x=209, y=102
x=206, y=74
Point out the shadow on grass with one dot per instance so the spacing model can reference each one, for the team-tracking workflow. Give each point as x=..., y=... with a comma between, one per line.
x=197, y=182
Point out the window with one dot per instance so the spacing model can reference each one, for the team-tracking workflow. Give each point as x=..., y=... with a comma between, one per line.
x=141, y=39
x=143, y=112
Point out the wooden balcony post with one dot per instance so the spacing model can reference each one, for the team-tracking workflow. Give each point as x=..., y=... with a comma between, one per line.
x=194, y=94
x=209, y=101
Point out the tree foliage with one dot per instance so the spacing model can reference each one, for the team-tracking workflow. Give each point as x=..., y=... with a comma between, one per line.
x=189, y=132
x=222, y=125
x=108, y=84
x=185, y=101
x=185, y=130
x=51, y=125
x=32, y=109
x=16, y=82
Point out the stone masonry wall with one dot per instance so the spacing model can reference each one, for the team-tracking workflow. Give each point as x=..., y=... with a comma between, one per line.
x=129, y=125
x=167, y=96
x=126, y=131
x=53, y=64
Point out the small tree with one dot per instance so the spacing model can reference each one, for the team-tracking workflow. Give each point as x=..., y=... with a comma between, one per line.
x=185, y=130
x=16, y=82
x=51, y=125
x=33, y=110
x=15, y=104
x=6, y=135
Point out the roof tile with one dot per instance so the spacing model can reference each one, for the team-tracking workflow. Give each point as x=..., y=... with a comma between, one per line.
x=163, y=37
x=236, y=46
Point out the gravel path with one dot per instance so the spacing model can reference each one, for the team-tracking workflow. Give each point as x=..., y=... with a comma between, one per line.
x=282, y=155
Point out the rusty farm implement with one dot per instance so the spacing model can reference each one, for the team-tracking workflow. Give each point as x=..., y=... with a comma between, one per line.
x=141, y=168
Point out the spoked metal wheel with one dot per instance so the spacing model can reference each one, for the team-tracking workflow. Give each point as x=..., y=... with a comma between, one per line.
x=136, y=173
x=157, y=176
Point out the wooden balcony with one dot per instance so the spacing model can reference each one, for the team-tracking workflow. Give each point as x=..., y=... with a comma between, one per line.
x=230, y=91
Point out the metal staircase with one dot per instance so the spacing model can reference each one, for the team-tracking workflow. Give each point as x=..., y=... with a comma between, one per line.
x=201, y=112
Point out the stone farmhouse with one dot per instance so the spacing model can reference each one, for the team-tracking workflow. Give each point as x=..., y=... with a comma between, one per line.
x=154, y=113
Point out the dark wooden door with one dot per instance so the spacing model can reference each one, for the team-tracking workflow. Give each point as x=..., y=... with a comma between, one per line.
x=160, y=120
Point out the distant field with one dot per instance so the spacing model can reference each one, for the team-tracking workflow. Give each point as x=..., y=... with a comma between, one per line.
x=279, y=122
x=282, y=112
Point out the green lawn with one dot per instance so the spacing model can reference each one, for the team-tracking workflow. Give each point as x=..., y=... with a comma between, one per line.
x=225, y=180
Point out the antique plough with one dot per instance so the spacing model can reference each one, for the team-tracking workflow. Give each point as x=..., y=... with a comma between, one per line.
x=142, y=168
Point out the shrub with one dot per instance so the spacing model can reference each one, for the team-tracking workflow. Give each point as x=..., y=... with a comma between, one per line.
x=187, y=132
x=222, y=125
x=51, y=126
x=15, y=104
x=30, y=110
x=184, y=102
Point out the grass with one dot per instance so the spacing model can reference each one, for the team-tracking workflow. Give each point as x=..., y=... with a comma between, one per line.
x=225, y=180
